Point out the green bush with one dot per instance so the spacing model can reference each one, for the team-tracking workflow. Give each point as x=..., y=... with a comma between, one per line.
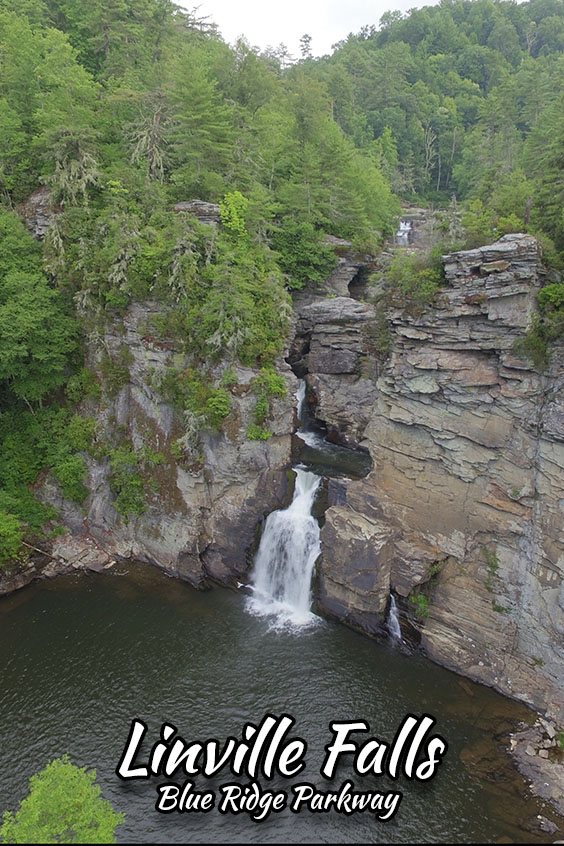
x=80, y=432
x=11, y=537
x=492, y=564
x=551, y=297
x=421, y=603
x=270, y=382
x=233, y=210
x=49, y=439
x=114, y=373
x=152, y=458
x=228, y=378
x=64, y=805
x=548, y=326
x=126, y=482
x=189, y=391
x=267, y=384
x=218, y=407
x=82, y=385
x=258, y=433
x=70, y=473
x=262, y=409
x=410, y=283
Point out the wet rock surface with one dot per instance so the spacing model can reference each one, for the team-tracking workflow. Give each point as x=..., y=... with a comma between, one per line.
x=539, y=756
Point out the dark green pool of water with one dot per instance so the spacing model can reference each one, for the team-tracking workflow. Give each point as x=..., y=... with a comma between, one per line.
x=81, y=656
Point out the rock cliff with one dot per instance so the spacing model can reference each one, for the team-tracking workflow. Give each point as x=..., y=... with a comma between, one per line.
x=462, y=515
x=201, y=512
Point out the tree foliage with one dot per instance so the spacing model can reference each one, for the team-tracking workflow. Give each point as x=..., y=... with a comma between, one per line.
x=64, y=805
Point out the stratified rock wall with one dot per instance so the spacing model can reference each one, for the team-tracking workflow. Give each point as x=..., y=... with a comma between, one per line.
x=468, y=448
x=329, y=349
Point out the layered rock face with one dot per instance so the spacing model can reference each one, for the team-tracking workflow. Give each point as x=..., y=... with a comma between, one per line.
x=329, y=347
x=465, y=504
x=201, y=514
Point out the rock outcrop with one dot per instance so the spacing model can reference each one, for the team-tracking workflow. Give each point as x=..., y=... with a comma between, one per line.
x=207, y=213
x=330, y=347
x=464, y=506
x=37, y=212
x=350, y=264
x=201, y=512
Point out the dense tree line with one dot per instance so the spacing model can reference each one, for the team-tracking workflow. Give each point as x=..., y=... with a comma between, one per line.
x=464, y=98
x=122, y=108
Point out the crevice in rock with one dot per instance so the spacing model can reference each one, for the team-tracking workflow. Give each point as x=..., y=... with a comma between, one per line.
x=360, y=283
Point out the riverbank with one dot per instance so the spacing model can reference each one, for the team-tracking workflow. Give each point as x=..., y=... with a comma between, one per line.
x=66, y=554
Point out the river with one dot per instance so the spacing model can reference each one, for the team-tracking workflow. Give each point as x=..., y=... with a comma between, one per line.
x=81, y=656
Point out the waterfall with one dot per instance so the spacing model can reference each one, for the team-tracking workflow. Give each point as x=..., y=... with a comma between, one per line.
x=393, y=623
x=402, y=235
x=289, y=547
x=300, y=399
x=312, y=439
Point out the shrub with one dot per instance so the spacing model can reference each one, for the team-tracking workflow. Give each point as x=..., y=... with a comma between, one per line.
x=412, y=284
x=115, y=374
x=80, y=432
x=421, y=603
x=551, y=297
x=270, y=382
x=70, y=473
x=534, y=346
x=492, y=564
x=262, y=409
x=83, y=385
x=218, y=407
x=233, y=210
x=258, y=433
x=126, y=482
x=11, y=536
x=200, y=402
x=228, y=378
x=547, y=326
x=64, y=805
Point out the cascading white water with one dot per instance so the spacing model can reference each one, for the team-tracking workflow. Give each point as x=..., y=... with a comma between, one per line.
x=393, y=622
x=289, y=547
x=402, y=235
x=312, y=439
x=300, y=398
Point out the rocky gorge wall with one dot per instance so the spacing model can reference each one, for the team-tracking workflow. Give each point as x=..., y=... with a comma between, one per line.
x=461, y=516
x=202, y=507
x=201, y=512
x=466, y=500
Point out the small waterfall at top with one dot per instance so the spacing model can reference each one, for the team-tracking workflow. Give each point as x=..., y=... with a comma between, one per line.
x=312, y=439
x=300, y=398
x=402, y=235
x=289, y=547
x=393, y=623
